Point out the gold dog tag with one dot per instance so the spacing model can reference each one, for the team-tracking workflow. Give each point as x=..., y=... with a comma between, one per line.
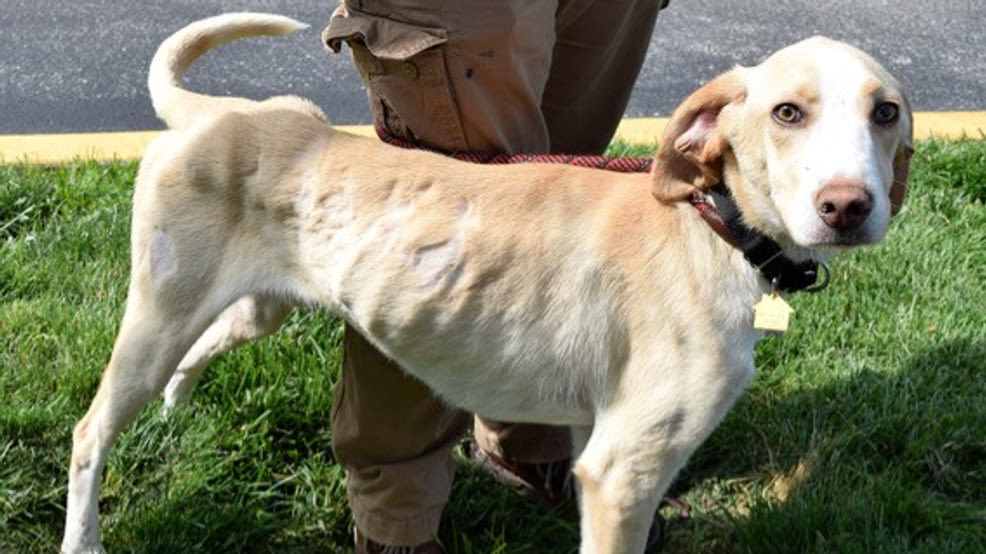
x=772, y=314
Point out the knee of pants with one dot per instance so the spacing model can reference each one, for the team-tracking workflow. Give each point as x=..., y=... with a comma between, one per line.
x=382, y=414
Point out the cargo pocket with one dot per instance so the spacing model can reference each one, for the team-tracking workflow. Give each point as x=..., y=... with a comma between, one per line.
x=403, y=67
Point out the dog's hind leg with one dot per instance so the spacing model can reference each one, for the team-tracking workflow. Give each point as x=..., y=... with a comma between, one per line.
x=143, y=357
x=155, y=331
x=247, y=319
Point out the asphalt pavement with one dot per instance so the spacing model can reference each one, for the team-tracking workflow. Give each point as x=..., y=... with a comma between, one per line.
x=81, y=66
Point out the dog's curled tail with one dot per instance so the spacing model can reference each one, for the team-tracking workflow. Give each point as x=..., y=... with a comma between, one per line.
x=177, y=106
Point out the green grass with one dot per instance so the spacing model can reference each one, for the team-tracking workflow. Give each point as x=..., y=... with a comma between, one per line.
x=863, y=432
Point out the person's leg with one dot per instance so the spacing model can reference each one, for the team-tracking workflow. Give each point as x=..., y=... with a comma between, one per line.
x=454, y=79
x=395, y=438
x=600, y=48
x=597, y=55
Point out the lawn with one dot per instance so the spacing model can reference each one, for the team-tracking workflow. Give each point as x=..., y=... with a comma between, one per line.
x=863, y=432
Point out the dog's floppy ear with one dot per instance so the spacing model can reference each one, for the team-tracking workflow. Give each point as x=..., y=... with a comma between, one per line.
x=902, y=166
x=690, y=153
x=902, y=161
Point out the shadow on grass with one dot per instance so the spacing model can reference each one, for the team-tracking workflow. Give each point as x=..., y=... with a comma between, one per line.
x=485, y=516
x=199, y=522
x=884, y=462
x=298, y=514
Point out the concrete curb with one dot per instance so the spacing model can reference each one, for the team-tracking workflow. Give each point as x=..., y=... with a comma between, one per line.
x=58, y=148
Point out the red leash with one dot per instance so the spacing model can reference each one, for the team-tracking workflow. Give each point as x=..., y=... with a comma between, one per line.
x=621, y=164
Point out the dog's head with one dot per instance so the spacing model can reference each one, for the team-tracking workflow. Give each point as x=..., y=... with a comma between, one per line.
x=814, y=143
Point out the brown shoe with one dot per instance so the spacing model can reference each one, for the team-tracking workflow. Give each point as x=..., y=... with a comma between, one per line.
x=551, y=485
x=366, y=546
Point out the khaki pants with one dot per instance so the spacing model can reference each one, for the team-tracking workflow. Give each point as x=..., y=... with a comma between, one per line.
x=469, y=75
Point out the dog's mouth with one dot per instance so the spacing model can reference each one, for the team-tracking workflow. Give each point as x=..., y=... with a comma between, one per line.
x=813, y=229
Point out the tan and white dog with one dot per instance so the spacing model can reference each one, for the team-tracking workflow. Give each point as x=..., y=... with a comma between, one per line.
x=536, y=293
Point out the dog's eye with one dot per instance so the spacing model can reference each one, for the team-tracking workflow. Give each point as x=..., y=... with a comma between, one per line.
x=788, y=114
x=886, y=113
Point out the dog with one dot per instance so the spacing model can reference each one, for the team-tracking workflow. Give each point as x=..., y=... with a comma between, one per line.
x=616, y=304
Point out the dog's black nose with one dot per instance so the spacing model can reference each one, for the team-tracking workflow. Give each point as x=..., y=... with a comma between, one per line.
x=843, y=204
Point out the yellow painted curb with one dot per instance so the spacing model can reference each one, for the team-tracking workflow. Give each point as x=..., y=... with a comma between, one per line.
x=642, y=130
x=950, y=125
x=57, y=148
x=66, y=147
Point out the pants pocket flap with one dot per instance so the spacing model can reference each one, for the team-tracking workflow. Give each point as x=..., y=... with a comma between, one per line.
x=384, y=38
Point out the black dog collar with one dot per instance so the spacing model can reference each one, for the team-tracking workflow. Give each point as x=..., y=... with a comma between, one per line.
x=765, y=254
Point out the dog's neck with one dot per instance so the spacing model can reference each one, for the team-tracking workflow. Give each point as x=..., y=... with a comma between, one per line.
x=763, y=253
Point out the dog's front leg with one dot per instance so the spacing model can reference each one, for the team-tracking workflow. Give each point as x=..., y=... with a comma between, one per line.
x=651, y=424
x=247, y=319
x=619, y=492
x=634, y=450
